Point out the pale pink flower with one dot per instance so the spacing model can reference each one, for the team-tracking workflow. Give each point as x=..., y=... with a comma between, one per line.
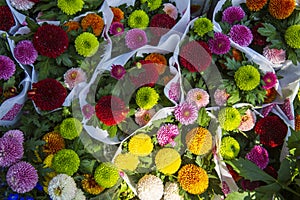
x=74, y=76
x=248, y=121
x=221, y=97
x=170, y=10
x=198, y=96
x=142, y=117
x=276, y=56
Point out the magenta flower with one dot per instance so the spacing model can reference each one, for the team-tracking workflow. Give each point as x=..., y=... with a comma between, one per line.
x=248, y=121
x=220, y=97
x=142, y=117
x=198, y=96
x=241, y=35
x=16, y=135
x=233, y=14
x=170, y=10
x=259, y=156
x=25, y=52
x=117, y=71
x=7, y=67
x=186, y=113
x=276, y=56
x=135, y=38
x=11, y=151
x=88, y=111
x=220, y=44
x=174, y=92
x=74, y=76
x=270, y=80
x=166, y=134
x=116, y=28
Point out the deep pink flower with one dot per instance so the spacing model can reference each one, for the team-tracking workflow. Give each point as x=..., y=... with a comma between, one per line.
x=270, y=80
x=166, y=134
x=11, y=151
x=15, y=134
x=135, y=38
x=174, y=91
x=186, y=113
x=233, y=14
x=259, y=156
x=220, y=44
x=7, y=67
x=116, y=28
x=88, y=111
x=241, y=35
x=25, y=52
x=117, y=71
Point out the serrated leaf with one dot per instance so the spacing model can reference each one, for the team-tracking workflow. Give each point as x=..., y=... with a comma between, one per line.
x=267, y=30
x=269, y=189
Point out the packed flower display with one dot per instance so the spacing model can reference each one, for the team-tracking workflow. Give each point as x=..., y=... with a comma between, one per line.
x=144, y=99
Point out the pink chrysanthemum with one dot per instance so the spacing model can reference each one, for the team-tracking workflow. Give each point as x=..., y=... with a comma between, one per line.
x=11, y=151
x=135, y=38
x=170, y=10
x=220, y=97
x=186, y=113
x=241, y=35
x=270, y=80
x=259, y=156
x=198, y=96
x=74, y=76
x=7, y=67
x=22, y=4
x=22, y=177
x=276, y=56
x=15, y=134
x=174, y=92
x=25, y=52
x=116, y=28
x=88, y=111
x=117, y=71
x=166, y=134
x=233, y=14
x=220, y=44
x=248, y=121
x=142, y=117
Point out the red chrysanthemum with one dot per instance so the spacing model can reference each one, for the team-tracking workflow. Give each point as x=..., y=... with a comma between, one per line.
x=48, y=94
x=145, y=75
x=258, y=39
x=6, y=18
x=271, y=130
x=111, y=110
x=195, y=56
x=161, y=24
x=50, y=40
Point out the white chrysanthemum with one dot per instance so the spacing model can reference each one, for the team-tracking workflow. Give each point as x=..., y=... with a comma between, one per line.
x=79, y=195
x=22, y=4
x=172, y=192
x=150, y=187
x=62, y=187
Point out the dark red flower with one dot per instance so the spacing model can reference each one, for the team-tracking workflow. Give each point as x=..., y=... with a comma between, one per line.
x=271, y=171
x=6, y=18
x=50, y=40
x=271, y=130
x=236, y=177
x=248, y=185
x=145, y=74
x=111, y=110
x=258, y=39
x=195, y=56
x=48, y=94
x=161, y=24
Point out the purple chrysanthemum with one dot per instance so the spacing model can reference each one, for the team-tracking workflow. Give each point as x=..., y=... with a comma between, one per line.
x=270, y=80
x=116, y=28
x=220, y=97
x=186, y=113
x=241, y=35
x=259, y=156
x=174, y=92
x=136, y=38
x=220, y=44
x=198, y=96
x=88, y=111
x=74, y=76
x=11, y=151
x=25, y=52
x=166, y=134
x=15, y=134
x=7, y=67
x=117, y=71
x=22, y=177
x=233, y=14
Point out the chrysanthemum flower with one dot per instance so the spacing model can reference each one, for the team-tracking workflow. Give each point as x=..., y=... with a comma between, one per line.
x=292, y=36
x=186, y=113
x=241, y=35
x=70, y=128
x=136, y=38
x=74, y=76
x=22, y=177
x=6, y=18
x=142, y=117
x=146, y=98
x=138, y=19
x=193, y=179
x=271, y=130
x=11, y=151
x=118, y=14
x=72, y=25
x=86, y=44
x=248, y=121
x=50, y=40
x=146, y=76
x=229, y=118
x=171, y=191
x=111, y=110
x=126, y=161
x=70, y=7
x=116, y=28
x=199, y=141
x=198, y=96
x=90, y=185
x=248, y=185
x=281, y=9
x=15, y=134
x=22, y=4
x=48, y=94
x=79, y=195
x=221, y=96
x=255, y=5
x=25, y=52
x=7, y=67
x=117, y=71
x=202, y=26
x=220, y=44
x=259, y=156
x=66, y=161
x=62, y=186
x=276, y=56
x=167, y=161
x=88, y=111
x=247, y=77
x=140, y=145
x=154, y=4
x=270, y=95
x=194, y=63
x=170, y=10
x=150, y=187
x=166, y=134
x=94, y=21
x=161, y=23
x=106, y=175
x=270, y=80
x=174, y=92
x=159, y=60
x=258, y=39
x=229, y=148
x=297, y=122
x=233, y=14
x=53, y=143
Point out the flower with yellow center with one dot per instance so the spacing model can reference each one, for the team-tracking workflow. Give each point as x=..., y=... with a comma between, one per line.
x=199, y=141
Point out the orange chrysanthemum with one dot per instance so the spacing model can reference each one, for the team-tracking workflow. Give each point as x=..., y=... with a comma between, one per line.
x=270, y=96
x=297, y=122
x=193, y=179
x=54, y=143
x=90, y=185
x=281, y=9
x=255, y=5
x=93, y=20
x=199, y=141
x=118, y=14
x=236, y=54
x=72, y=25
x=159, y=60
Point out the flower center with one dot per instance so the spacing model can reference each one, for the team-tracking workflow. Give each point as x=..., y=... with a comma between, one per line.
x=73, y=75
x=57, y=191
x=186, y=113
x=119, y=29
x=199, y=97
x=86, y=44
x=147, y=117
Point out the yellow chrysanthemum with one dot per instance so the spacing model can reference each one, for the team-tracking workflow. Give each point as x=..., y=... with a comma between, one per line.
x=53, y=143
x=255, y=5
x=140, y=145
x=126, y=161
x=94, y=21
x=167, y=161
x=90, y=185
x=199, y=141
x=193, y=179
x=281, y=9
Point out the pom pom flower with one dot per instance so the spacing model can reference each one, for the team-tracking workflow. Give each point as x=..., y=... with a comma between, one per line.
x=140, y=145
x=259, y=156
x=15, y=134
x=281, y=9
x=6, y=18
x=126, y=161
x=186, y=113
x=150, y=187
x=154, y=4
x=138, y=19
x=86, y=44
x=117, y=71
x=70, y=128
x=247, y=77
x=74, y=76
x=54, y=142
x=62, y=186
x=7, y=67
x=198, y=96
x=93, y=20
x=118, y=14
x=233, y=14
x=255, y=5
x=167, y=161
x=135, y=38
x=70, y=7
x=230, y=148
x=199, y=141
x=166, y=134
x=25, y=52
x=161, y=23
x=11, y=151
x=270, y=80
x=66, y=161
x=202, y=26
x=220, y=44
x=106, y=175
x=229, y=118
x=116, y=28
x=90, y=185
x=292, y=36
x=241, y=35
x=146, y=98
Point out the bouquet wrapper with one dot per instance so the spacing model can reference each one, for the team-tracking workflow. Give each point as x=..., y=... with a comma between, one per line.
x=20, y=19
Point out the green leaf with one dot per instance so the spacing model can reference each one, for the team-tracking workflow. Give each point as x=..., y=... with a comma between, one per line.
x=31, y=24
x=203, y=117
x=294, y=140
x=112, y=131
x=268, y=30
x=285, y=171
x=238, y=195
x=87, y=166
x=269, y=189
